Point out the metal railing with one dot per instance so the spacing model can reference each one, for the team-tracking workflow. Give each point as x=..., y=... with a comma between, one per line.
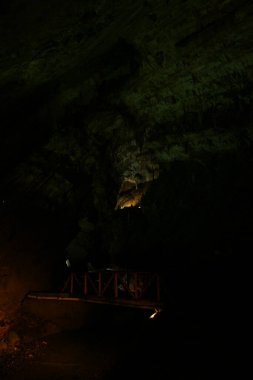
x=115, y=284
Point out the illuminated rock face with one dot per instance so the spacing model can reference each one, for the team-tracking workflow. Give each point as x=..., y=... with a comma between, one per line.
x=137, y=170
x=132, y=196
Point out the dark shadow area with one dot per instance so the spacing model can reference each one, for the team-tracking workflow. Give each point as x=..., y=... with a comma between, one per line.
x=127, y=344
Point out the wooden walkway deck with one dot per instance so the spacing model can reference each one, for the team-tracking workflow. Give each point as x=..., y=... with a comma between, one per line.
x=137, y=304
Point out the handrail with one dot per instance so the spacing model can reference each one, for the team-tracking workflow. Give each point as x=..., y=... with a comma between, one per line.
x=115, y=284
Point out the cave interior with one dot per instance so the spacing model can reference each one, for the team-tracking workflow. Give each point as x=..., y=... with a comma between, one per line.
x=126, y=140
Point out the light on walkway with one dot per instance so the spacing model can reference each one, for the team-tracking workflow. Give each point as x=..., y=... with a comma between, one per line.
x=157, y=311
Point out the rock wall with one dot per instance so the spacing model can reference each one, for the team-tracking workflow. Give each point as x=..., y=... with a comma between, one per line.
x=105, y=104
x=25, y=266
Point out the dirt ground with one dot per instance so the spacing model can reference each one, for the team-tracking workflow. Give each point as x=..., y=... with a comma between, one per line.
x=122, y=344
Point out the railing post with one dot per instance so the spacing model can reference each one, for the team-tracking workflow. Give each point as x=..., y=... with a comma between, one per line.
x=66, y=284
x=116, y=289
x=85, y=283
x=71, y=283
x=136, y=285
x=99, y=284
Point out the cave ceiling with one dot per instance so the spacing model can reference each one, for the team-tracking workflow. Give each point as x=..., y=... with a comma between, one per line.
x=99, y=100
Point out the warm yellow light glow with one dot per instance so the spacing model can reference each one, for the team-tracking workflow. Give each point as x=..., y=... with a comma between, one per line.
x=130, y=203
x=154, y=314
x=131, y=197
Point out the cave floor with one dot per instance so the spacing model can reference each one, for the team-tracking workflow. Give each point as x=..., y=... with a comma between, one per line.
x=136, y=348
